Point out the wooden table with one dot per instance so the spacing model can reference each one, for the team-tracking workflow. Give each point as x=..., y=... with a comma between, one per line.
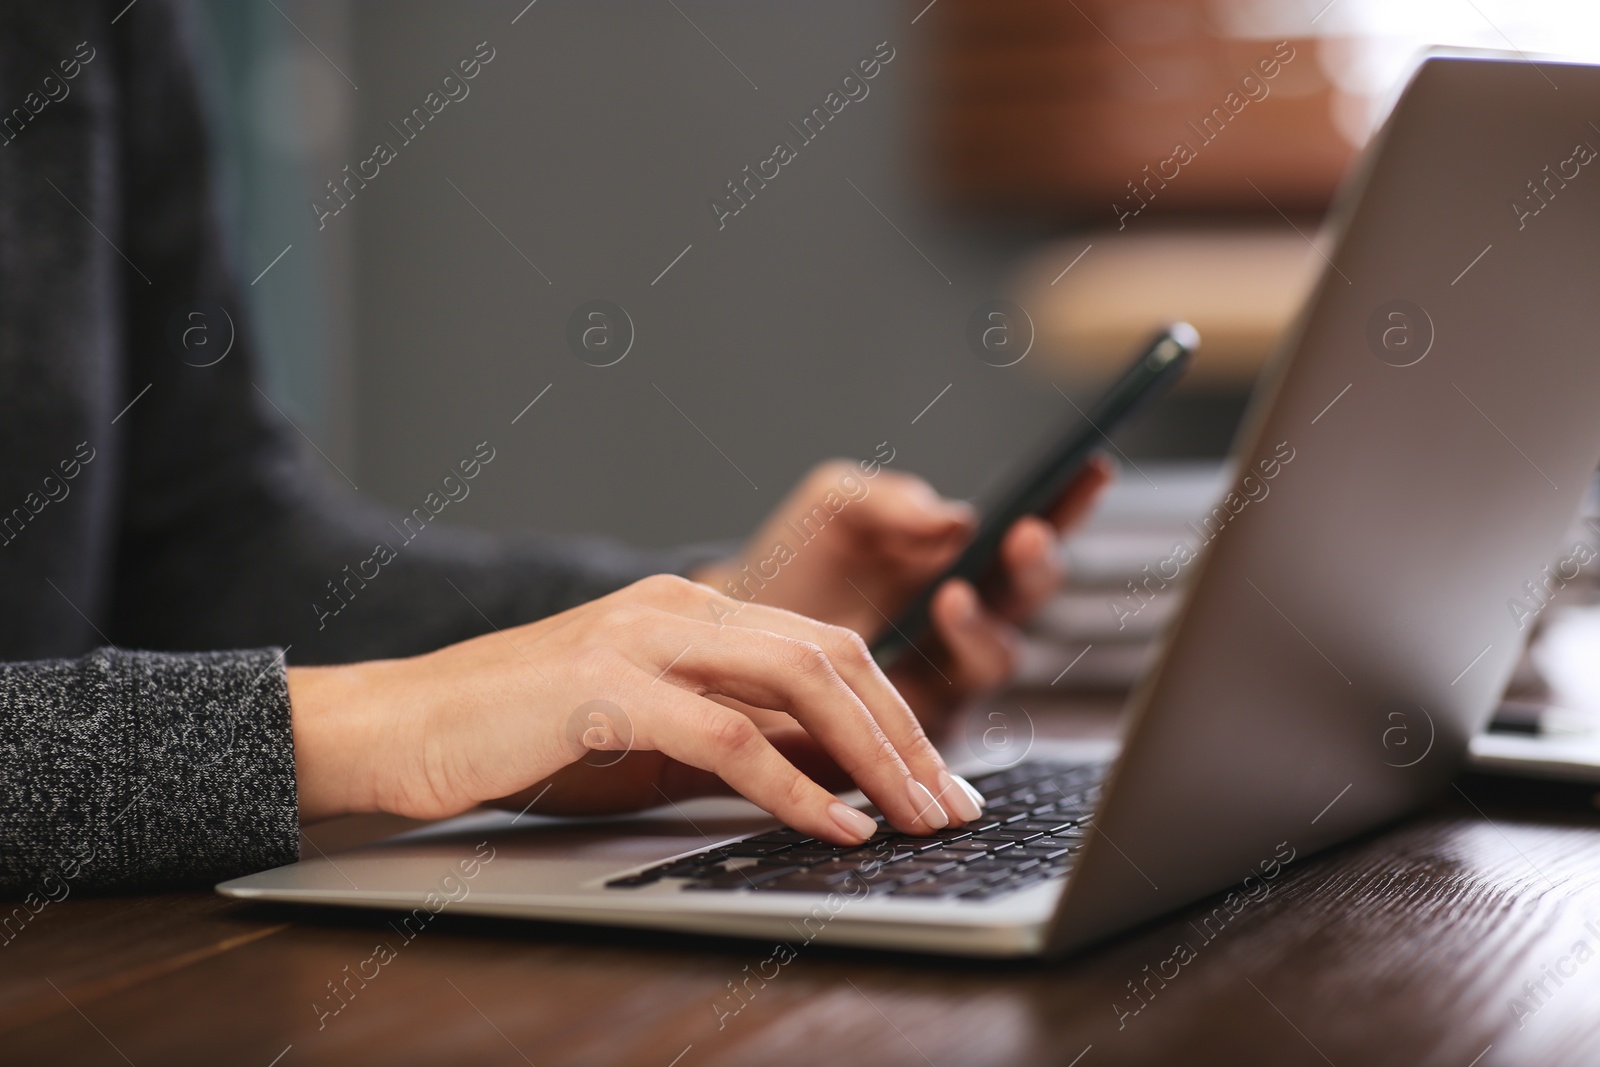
x=1410, y=946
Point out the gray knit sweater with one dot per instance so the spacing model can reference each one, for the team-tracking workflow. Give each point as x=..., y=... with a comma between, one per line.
x=150, y=503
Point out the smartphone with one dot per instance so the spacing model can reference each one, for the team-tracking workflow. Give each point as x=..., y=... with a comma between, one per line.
x=1158, y=365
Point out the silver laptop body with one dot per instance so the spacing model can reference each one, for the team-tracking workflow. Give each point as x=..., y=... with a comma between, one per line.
x=1410, y=464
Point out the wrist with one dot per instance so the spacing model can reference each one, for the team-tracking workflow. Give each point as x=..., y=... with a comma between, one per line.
x=328, y=711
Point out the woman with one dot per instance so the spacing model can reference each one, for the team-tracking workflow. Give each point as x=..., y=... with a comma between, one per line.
x=156, y=504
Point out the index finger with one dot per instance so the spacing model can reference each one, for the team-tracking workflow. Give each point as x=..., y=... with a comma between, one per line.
x=932, y=795
x=1079, y=498
x=708, y=736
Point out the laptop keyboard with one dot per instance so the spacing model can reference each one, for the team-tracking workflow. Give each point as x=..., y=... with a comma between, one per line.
x=1031, y=830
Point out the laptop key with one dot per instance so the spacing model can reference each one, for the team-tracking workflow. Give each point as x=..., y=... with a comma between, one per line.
x=744, y=878
x=806, y=882
x=1026, y=879
x=685, y=870
x=1039, y=851
x=990, y=890
x=756, y=848
x=836, y=871
x=932, y=866
x=1008, y=834
x=953, y=834
x=926, y=844
x=1005, y=812
x=948, y=856
x=803, y=856
x=892, y=854
x=983, y=892
x=904, y=841
x=972, y=845
x=934, y=889
x=986, y=865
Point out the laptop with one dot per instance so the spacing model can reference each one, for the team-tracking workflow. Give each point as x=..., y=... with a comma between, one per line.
x=1412, y=457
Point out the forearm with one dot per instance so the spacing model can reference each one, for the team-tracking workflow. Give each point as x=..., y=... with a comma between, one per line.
x=276, y=563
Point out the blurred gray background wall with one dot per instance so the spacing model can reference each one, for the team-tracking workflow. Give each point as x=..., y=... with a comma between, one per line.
x=423, y=317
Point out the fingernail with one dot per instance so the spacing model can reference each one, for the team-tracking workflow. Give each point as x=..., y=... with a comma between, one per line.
x=927, y=808
x=972, y=794
x=959, y=797
x=958, y=510
x=855, y=823
x=968, y=604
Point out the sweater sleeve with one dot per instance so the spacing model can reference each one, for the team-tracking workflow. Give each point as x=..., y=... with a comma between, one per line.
x=133, y=770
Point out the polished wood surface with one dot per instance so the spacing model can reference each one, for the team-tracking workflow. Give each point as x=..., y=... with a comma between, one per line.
x=1467, y=935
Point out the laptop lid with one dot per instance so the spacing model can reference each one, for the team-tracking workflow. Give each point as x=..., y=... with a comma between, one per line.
x=1409, y=466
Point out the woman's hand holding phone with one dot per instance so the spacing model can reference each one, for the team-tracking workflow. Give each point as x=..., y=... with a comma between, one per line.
x=891, y=537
